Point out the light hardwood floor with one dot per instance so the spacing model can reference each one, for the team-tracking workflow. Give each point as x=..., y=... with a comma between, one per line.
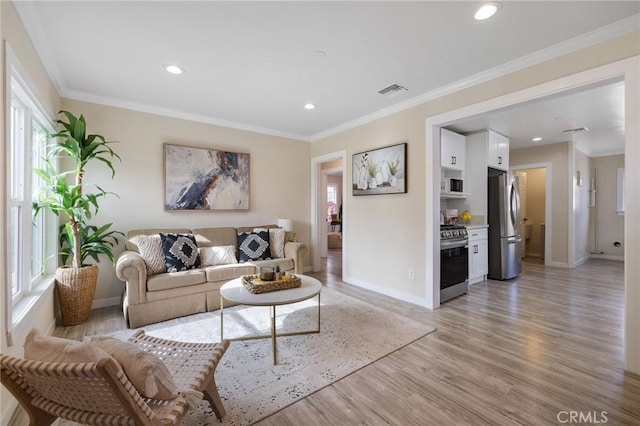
x=524, y=351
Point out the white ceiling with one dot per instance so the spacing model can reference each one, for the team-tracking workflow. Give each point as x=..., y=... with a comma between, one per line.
x=600, y=109
x=254, y=65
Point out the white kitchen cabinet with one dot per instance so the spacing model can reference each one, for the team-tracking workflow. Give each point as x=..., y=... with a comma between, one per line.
x=497, y=151
x=478, y=254
x=452, y=150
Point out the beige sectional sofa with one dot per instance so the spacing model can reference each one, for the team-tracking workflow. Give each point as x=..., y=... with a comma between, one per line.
x=150, y=298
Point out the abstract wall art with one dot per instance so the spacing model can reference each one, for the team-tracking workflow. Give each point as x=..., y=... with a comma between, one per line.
x=205, y=179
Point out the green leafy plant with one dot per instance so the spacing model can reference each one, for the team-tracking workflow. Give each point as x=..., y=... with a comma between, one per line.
x=78, y=240
x=372, y=168
x=394, y=166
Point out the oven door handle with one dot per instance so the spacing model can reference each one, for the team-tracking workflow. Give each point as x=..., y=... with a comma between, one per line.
x=444, y=245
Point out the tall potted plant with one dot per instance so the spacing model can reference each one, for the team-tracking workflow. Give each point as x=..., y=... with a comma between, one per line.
x=65, y=193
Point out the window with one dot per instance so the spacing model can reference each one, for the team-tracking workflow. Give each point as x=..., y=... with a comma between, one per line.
x=27, y=236
x=332, y=199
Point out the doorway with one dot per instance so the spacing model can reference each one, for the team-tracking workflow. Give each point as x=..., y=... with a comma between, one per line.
x=535, y=217
x=329, y=213
x=331, y=245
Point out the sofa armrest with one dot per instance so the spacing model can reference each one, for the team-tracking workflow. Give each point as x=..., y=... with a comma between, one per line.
x=131, y=269
x=297, y=252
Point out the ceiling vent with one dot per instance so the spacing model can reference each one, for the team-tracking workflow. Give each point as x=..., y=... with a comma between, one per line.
x=576, y=130
x=392, y=90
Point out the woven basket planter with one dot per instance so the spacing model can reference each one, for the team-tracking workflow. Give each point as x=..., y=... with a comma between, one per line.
x=76, y=288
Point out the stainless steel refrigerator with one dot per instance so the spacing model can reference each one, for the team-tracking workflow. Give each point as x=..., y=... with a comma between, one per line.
x=504, y=225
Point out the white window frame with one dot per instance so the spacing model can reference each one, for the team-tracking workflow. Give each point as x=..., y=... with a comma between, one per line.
x=32, y=287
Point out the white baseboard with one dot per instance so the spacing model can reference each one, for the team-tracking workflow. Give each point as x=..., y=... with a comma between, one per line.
x=307, y=268
x=557, y=264
x=386, y=291
x=607, y=257
x=103, y=303
x=582, y=260
x=477, y=280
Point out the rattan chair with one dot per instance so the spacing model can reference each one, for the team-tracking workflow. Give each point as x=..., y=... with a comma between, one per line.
x=99, y=393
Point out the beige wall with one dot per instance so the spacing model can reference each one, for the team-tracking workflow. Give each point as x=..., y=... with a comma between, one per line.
x=608, y=226
x=582, y=212
x=42, y=317
x=395, y=220
x=279, y=176
x=536, y=193
x=558, y=155
x=399, y=220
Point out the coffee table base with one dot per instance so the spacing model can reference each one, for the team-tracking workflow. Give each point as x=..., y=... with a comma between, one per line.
x=273, y=334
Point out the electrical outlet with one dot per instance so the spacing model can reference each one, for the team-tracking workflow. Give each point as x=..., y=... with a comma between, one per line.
x=412, y=274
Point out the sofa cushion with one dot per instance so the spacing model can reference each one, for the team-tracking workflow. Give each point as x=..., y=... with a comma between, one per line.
x=276, y=241
x=145, y=371
x=211, y=237
x=180, y=252
x=176, y=279
x=131, y=245
x=150, y=248
x=285, y=264
x=253, y=246
x=220, y=255
x=229, y=272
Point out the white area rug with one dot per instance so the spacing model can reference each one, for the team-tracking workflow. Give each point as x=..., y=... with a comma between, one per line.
x=353, y=334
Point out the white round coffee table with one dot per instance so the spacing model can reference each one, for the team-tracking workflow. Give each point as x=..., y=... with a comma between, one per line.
x=235, y=291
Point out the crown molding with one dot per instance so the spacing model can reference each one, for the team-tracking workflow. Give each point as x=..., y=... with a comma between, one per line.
x=134, y=106
x=596, y=36
x=30, y=20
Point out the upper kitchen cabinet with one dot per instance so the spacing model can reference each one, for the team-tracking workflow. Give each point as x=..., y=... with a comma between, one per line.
x=498, y=151
x=452, y=150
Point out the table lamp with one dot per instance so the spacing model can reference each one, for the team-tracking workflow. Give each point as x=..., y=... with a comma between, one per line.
x=287, y=225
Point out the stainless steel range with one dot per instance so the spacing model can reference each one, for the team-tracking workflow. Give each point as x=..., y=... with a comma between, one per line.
x=454, y=261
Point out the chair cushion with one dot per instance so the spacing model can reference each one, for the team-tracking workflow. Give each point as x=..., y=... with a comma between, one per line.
x=40, y=347
x=145, y=371
x=253, y=246
x=180, y=252
x=219, y=255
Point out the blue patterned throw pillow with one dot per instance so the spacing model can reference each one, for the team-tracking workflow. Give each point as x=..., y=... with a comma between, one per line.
x=180, y=252
x=253, y=246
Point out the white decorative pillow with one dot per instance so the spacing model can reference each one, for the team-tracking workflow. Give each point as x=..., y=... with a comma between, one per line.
x=40, y=347
x=276, y=242
x=150, y=248
x=145, y=371
x=218, y=255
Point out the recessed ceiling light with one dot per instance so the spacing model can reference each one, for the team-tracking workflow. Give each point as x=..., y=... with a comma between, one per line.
x=309, y=106
x=487, y=10
x=538, y=139
x=173, y=69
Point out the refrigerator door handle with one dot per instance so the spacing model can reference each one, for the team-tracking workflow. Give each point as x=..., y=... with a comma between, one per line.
x=514, y=240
